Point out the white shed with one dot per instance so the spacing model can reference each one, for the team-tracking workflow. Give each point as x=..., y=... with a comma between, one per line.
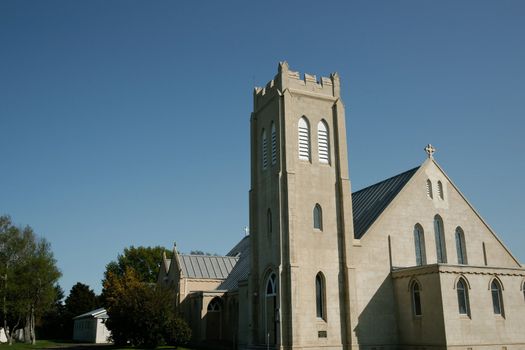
x=91, y=327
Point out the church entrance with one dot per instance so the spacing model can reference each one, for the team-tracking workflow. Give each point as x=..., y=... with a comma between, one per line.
x=270, y=310
x=213, y=320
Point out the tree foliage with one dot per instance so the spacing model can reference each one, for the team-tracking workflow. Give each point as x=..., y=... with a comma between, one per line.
x=144, y=260
x=28, y=275
x=141, y=313
x=52, y=324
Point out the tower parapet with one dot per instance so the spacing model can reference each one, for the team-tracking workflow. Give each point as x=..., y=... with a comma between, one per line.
x=288, y=79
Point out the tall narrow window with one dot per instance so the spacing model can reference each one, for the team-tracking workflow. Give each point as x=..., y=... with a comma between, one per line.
x=274, y=144
x=497, y=298
x=440, y=190
x=460, y=246
x=441, y=251
x=318, y=217
x=429, y=189
x=320, y=296
x=484, y=253
x=463, y=302
x=269, y=221
x=264, y=150
x=323, y=142
x=419, y=241
x=304, y=139
x=416, y=299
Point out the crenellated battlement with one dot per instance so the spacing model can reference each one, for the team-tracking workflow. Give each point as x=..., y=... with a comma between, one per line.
x=288, y=79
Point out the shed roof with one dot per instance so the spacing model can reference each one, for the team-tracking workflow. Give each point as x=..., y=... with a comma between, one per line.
x=97, y=313
x=369, y=203
x=206, y=266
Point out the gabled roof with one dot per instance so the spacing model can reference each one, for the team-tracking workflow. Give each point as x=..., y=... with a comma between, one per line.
x=206, y=266
x=97, y=313
x=369, y=203
x=242, y=268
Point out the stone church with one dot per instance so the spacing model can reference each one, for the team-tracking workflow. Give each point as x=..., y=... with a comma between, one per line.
x=406, y=263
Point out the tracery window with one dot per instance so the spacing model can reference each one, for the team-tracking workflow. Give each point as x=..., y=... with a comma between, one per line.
x=320, y=296
x=460, y=246
x=215, y=305
x=271, y=285
x=304, y=139
x=323, y=142
x=441, y=251
x=497, y=297
x=419, y=241
x=318, y=217
x=463, y=300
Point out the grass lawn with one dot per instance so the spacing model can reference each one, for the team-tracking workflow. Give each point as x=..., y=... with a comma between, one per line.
x=49, y=344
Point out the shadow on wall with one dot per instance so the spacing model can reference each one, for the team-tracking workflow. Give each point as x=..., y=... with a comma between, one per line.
x=377, y=324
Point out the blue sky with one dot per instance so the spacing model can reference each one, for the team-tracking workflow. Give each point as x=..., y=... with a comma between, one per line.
x=127, y=122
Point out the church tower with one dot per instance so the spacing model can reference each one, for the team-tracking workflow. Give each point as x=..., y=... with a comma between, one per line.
x=301, y=282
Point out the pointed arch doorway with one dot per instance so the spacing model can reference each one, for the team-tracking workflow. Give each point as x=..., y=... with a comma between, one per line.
x=270, y=310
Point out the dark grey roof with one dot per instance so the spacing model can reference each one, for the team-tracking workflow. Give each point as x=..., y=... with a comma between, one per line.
x=242, y=269
x=97, y=313
x=369, y=203
x=241, y=247
x=206, y=266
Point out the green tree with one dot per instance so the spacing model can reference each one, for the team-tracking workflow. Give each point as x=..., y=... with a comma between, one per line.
x=144, y=260
x=141, y=313
x=28, y=275
x=81, y=299
x=52, y=323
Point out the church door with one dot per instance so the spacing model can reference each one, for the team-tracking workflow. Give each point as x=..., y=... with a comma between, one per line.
x=213, y=320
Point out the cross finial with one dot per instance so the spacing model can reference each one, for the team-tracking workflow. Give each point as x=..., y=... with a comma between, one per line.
x=246, y=231
x=430, y=150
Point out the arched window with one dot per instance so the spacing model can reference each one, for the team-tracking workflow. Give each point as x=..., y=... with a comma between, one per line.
x=320, y=296
x=497, y=297
x=304, y=139
x=441, y=251
x=323, y=142
x=274, y=144
x=416, y=299
x=215, y=305
x=271, y=285
x=460, y=246
x=269, y=221
x=429, y=189
x=440, y=190
x=264, y=150
x=463, y=302
x=318, y=217
x=419, y=241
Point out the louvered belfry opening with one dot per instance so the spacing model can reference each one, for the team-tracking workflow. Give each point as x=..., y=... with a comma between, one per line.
x=304, y=139
x=323, y=142
x=264, y=150
x=274, y=144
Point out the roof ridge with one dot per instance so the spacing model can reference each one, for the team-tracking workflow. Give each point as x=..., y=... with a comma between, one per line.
x=385, y=180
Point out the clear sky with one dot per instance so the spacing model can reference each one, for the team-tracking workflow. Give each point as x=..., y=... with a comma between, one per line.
x=127, y=122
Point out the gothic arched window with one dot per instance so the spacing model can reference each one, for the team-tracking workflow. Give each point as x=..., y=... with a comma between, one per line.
x=215, y=305
x=271, y=285
x=463, y=301
x=304, y=139
x=441, y=250
x=320, y=296
x=274, y=143
x=323, y=142
x=264, y=150
x=440, y=190
x=416, y=299
x=497, y=297
x=460, y=246
x=429, y=189
x=419, y=241
x=318, y=217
